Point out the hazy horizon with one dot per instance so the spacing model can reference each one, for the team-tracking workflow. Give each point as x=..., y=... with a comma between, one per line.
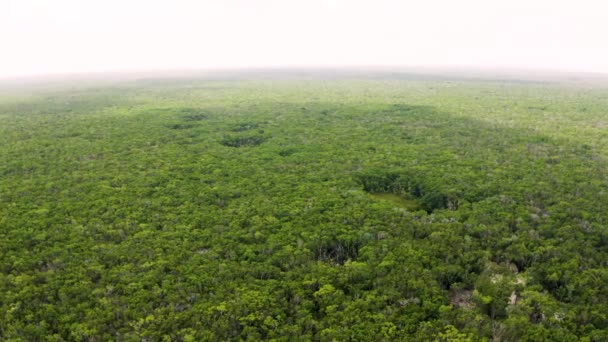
x=72, y=37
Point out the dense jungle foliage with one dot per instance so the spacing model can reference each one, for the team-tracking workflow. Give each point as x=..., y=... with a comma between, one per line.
x=347, y=209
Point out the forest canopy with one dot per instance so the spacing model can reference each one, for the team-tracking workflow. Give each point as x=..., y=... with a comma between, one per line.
x=367, y=209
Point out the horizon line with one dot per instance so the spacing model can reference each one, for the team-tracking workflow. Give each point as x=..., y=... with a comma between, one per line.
x=182, y=71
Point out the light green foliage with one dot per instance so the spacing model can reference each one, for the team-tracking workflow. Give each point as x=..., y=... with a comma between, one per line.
x=345, y=209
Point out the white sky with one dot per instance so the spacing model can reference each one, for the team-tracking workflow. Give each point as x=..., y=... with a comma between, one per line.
x=58, y=36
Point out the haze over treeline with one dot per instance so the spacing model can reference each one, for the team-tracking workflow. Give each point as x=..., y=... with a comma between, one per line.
x=67, y=36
